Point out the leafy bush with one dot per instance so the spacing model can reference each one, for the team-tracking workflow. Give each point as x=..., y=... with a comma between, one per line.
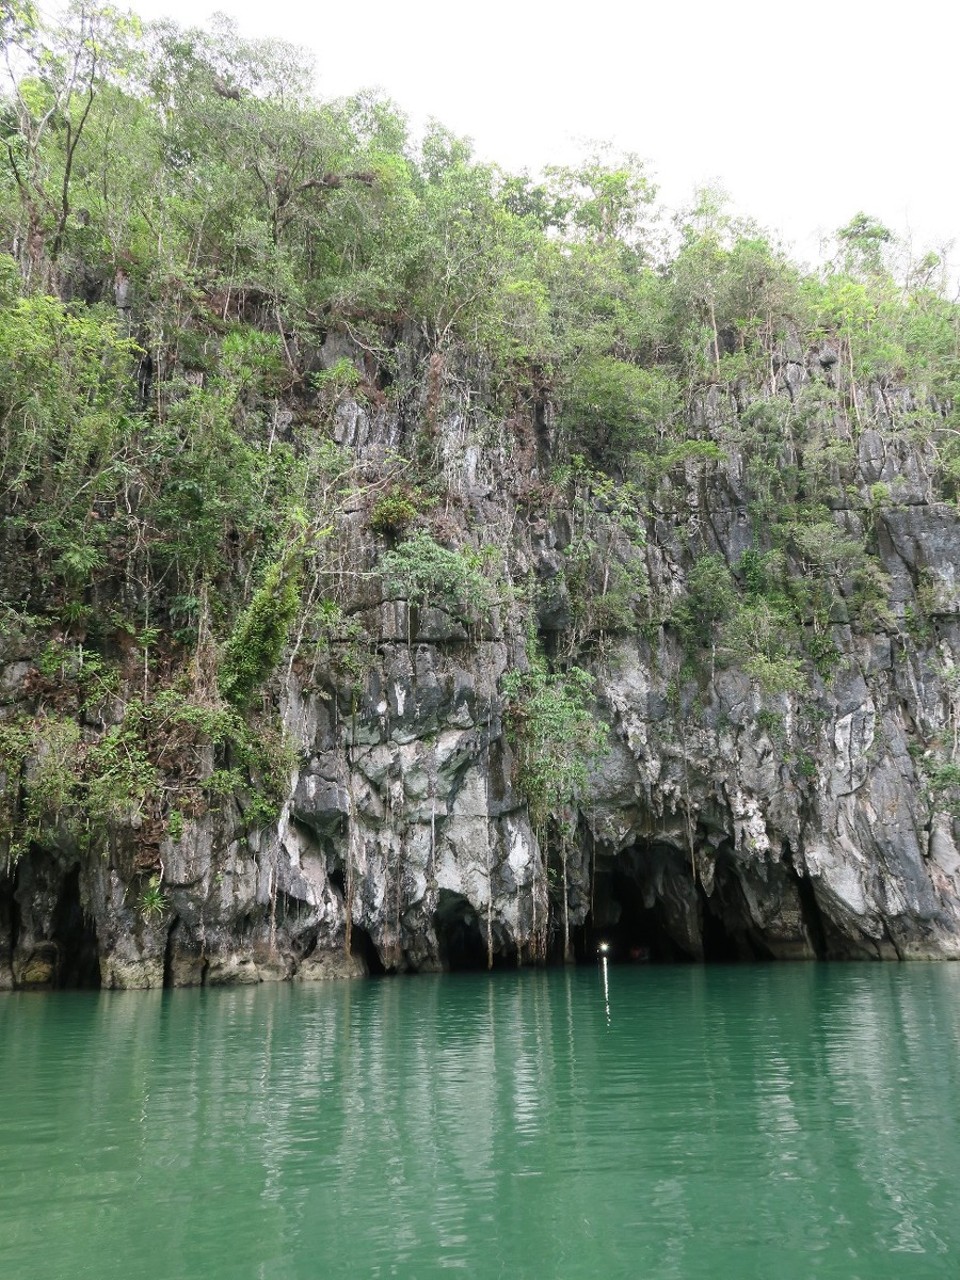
x=393, y=512
x=710, y=600
x=426, y=574
x=556, y=737
x=153, y=903
x=555, y=734
x=341, y=380
x=255, y=647
x=613, y=408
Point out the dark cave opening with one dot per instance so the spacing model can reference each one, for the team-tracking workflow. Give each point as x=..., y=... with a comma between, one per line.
x=183, y=963
x=648, y=910
x=723, y=944
x=459, y=934
x=633, y=932
x=362, y=945
x=812, y=916
x=9, y=920
x=75, y=937
x=168, y=950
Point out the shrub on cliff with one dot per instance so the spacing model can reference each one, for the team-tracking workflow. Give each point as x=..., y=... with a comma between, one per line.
x=427, y=575
x=255, y=647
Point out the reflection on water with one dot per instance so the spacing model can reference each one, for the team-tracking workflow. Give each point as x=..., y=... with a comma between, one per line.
x=792, y=1121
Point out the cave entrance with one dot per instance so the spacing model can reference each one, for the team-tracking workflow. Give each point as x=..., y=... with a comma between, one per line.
x=723, y=944
x=648, y=909
x=642, y=932
x=460, y=938
x=361, y=944
x=8, y=922
x=75, y=937
x=631, y=921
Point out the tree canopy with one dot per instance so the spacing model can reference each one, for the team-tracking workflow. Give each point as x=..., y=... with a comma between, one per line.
x=205, y=269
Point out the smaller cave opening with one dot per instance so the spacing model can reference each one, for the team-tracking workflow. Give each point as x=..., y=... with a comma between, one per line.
x=9, y=920
x=504, y=951
x=168, y=956
x=461, y=940
x=730, y=935
x=720, y=944
x=362, y=945
x=75, y=937
x=145, y=376
x=812, y=916
x=182, y=969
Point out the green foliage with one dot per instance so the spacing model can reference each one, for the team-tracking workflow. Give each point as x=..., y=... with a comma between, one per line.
x=153, y=903
x=757, y=631
x=393, y=512
x=945, y=776
x=606, y=198
x=710, y=600
x=256, y=645
x=687, y=451
x=614, y=408
x=64, y=399
x=266, y=760
x=942, y=772
x=879, y=495
x=731, y=295
x=427, y=575
x=338, y=382
x=604, y=570
x=556, y=736
x=863, y=242
x=603, y=592
x=753, y=569
x=120, y=777
x=341, y=644
x=54, y=784
x=57, y=758
x=806, y=766
x=772, y=723
x=15, y=743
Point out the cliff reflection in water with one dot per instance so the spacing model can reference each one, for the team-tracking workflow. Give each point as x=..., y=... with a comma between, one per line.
x=793, y=1120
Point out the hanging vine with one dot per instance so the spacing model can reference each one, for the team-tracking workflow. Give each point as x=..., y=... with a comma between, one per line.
x=556, y=736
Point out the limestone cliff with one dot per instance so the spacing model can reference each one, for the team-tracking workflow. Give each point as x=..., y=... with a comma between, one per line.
x=731, y=814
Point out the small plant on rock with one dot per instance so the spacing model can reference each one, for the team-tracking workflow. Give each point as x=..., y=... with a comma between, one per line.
x=153, y=903
x=393, y=513
x=254, y=648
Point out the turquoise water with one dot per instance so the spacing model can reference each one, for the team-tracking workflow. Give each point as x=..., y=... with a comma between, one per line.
x=775, y=1121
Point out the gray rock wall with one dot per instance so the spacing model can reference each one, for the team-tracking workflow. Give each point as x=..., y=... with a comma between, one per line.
x=720, y=821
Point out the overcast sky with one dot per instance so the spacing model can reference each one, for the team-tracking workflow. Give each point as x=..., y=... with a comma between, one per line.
x=805, y=113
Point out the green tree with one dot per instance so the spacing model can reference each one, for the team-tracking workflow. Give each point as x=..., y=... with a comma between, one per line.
x=56, y=72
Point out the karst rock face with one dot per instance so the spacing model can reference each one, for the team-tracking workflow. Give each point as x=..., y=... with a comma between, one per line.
x=721, y=820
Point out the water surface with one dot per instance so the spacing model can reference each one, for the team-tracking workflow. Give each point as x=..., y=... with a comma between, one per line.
x=785, y=1121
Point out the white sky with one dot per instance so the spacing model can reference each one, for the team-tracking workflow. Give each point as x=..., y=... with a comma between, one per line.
x=805, y=113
